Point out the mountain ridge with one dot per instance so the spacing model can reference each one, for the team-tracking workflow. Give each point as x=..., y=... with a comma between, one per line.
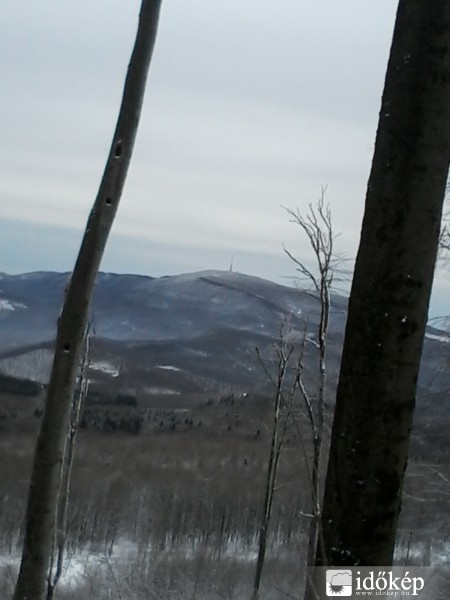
x=205, y=325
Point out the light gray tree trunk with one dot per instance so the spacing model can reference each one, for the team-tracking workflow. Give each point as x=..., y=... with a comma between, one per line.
x=58, y=550
x=45, y=478
x=390, y=293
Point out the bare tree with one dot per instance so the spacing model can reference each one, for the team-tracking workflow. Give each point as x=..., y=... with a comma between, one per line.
x=317, y=226
x=444, y=235
x=390, y=293
x=444, y=238
x=284, y=353
x=46, y=473
x=59, y=543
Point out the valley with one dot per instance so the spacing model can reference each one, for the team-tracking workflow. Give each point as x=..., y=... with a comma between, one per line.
x=172, y=449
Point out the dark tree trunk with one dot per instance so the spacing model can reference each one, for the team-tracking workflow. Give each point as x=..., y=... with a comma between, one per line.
x=390, y=293
x=272, y=472
x=45, y=478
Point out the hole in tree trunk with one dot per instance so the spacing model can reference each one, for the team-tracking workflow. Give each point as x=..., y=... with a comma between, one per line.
x=118, y=149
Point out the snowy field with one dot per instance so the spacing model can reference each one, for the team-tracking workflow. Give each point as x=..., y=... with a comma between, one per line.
x=127, y=569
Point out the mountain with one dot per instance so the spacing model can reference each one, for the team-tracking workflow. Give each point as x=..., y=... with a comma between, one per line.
x=196, y=330
x=132, y=307
x=185, y=334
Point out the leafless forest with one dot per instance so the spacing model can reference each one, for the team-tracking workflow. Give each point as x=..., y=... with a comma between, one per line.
x=166, y=503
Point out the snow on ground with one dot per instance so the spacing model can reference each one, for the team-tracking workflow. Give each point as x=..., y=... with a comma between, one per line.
x=445, y=339
x=94, y=564
x=35, y=365
x=105, y=367
x=78, y=567
x=8, y=305
x=161, y=390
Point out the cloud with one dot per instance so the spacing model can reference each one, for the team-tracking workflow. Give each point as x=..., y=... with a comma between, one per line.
x=249, y=105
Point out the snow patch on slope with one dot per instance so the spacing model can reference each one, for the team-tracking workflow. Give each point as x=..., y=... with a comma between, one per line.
x=105, y=367
x=445, y=339
x=11, y=306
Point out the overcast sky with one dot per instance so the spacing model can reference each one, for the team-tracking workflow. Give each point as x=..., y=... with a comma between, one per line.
x=250, y=105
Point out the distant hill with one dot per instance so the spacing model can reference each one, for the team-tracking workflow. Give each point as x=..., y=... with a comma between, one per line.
x=183, y=334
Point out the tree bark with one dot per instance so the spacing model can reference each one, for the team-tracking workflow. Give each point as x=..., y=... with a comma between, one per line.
x=45, y=478
x=272, y=469
x=57, y=554
x=390, y=293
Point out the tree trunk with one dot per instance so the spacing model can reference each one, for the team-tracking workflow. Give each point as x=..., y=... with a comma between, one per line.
x=57, y=554
x=390, y=293
x=272, y=471
x=45, y=478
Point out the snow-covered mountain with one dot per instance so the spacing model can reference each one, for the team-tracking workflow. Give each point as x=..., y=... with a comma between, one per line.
x=184, y=333
x=202, y=327
x=132, y=307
